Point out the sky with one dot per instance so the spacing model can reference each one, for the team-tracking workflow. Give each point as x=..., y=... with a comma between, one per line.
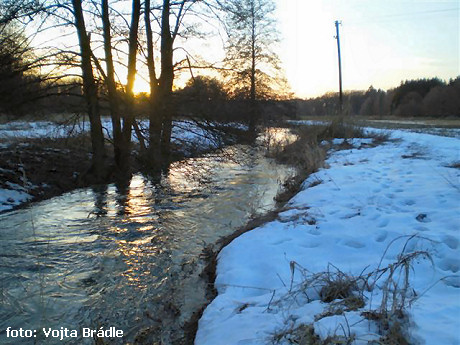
x=383, y=42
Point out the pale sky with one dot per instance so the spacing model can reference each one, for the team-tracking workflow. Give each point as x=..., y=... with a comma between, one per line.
x=382, y=41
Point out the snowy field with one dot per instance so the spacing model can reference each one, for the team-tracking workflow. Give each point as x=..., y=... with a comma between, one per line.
x=403, y=125
x=183, y=131
x=372, y=217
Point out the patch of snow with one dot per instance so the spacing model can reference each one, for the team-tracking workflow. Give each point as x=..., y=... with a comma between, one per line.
x=307, y=122
x=369, y=204
x=10, y=198
x=186, y=133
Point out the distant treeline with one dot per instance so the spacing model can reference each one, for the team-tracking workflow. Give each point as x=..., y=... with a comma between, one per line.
x=208, y=98
x=420, y=97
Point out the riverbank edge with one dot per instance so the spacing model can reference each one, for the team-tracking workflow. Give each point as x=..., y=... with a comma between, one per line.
x=291, y=188
x=43, y=168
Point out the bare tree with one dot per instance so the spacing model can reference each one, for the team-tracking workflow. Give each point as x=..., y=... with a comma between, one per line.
x=117, y=46
x=161, y=114
x=128, y=120
x=18, y=80
x=11, y=10
x=111, y=84
x=121, y=134
x=251, y=37
x=90, y=92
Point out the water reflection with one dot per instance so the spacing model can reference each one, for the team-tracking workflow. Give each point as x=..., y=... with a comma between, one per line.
x=100, y=199
x=111, y=255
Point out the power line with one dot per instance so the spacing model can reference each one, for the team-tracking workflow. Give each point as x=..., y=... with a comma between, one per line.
x=421, y=12
x=402, y=15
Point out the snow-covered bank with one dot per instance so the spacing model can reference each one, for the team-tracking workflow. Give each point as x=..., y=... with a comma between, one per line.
x=358, y=215
x=13, y=196
x=18, y=136
x=183, y=131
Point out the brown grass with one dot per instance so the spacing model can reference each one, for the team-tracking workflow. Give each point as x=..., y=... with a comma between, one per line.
x=307, y=155
x=390, y=121
x=345, y=292
x=455, y=165
x=302, y=335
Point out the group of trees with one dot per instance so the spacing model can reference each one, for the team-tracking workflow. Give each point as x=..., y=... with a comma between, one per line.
x=105, y=45
x=420, y=97
x=427, y=97
x=18, y=82
x=116, y=38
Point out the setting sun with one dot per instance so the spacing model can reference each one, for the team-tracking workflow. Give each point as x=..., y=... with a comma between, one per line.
x=141, y=85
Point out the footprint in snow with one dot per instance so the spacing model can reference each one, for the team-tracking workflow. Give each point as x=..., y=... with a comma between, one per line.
x=421, y=228
x=315, y=232
x=383, y=223
x=450, y=264
x=354, y=244
x=450, y=241
x=381, y=236
x=453, y=281
x=313, y=244
x=375, y=217
x=281, y=241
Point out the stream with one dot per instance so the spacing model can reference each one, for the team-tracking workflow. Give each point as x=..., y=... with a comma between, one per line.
x=129, y=257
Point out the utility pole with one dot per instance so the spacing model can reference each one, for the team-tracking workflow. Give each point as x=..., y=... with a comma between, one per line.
x=337, y=23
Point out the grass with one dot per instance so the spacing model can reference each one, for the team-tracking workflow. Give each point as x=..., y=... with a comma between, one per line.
x=343, y=292
x=301, y=334
x=455, y=165
x=308, y=152
x=392, y=121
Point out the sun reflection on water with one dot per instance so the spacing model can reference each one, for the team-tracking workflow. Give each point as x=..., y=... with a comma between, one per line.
x=129, y=247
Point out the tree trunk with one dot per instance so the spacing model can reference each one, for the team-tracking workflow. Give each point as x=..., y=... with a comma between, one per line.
x=252, y=94
x=128, y=119
x=155, y=119
x=90, y=91
x=111, y=86
x=166, y=80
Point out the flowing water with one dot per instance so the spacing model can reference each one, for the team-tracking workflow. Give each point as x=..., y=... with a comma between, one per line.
x=124, y=257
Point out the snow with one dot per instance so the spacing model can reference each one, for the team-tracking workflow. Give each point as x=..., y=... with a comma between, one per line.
x=187, y=134
x=183, y=132
x=10, y=198
x=372, y=206
x=33, y=129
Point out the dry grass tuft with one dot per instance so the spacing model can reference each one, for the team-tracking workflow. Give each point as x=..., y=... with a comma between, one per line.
x=307, y=154
x=338, y=285
x=346, y=292
x=301, y=335
x=455, y=165
x=304, y=154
